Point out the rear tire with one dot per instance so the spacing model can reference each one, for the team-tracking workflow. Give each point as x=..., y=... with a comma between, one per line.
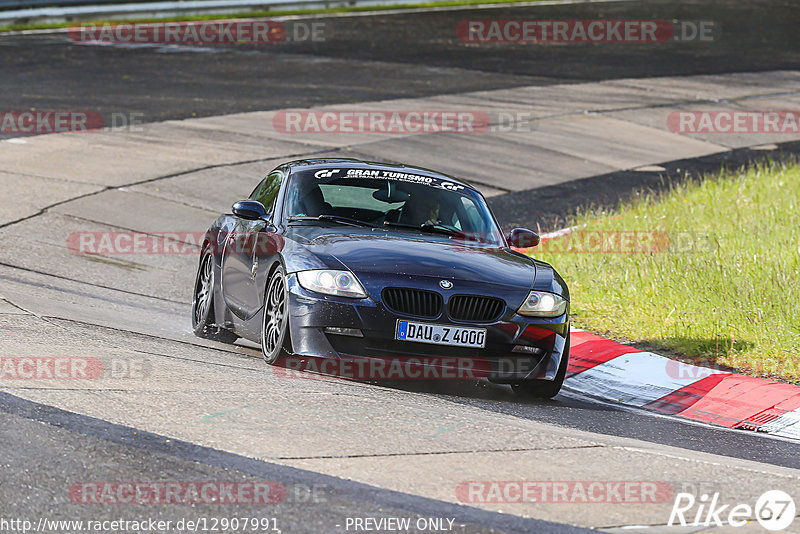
x=545, y=389
x=275, y=321
x=203, y=322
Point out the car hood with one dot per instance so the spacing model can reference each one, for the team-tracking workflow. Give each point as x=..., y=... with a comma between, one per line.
x=378, y=252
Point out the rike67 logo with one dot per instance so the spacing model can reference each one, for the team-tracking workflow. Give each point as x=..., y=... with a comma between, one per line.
x=774, y=510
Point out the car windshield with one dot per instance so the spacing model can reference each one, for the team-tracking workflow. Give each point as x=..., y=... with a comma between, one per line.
x=392, y=199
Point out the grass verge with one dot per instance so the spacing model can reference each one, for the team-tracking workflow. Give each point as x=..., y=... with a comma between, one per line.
x=714, y=276
x=259, y=14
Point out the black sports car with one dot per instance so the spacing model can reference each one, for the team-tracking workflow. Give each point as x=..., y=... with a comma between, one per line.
x=346, y=260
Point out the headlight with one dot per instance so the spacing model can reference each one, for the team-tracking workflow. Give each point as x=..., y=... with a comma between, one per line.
x=543, y=304
x=338, y=283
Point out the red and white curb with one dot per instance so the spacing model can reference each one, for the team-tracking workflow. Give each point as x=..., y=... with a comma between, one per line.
x=620, y=373
x=623, y=374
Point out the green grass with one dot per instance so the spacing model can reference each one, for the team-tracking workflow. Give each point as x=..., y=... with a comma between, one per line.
x=730, y=300
x=259, y=14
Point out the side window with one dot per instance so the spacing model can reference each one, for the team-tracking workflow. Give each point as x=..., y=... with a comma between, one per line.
x=267, y=191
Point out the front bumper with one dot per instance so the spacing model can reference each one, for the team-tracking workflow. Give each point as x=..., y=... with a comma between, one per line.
x=312, y=313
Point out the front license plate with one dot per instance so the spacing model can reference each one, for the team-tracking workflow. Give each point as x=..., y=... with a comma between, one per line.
x=439, y=334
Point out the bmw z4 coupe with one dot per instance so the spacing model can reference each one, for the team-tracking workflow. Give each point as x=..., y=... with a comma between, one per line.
x=338, y=260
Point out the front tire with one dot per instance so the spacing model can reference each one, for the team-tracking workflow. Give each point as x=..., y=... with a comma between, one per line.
x=275, y=322
x=545, y=389
x=203, y=321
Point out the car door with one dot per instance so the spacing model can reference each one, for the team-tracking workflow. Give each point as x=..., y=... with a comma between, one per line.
x=251, y=247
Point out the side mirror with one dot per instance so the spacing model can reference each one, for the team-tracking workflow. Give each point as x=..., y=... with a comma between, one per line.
x=250, y=210
x=522, y=238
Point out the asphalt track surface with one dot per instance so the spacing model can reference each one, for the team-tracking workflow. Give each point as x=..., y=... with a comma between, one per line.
x=389, y=56
x=367, y=58
x=314, y=502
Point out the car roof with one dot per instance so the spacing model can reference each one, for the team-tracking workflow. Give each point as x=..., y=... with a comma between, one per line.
x=352, y=163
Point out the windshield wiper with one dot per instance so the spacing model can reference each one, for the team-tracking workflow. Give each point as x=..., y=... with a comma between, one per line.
x=333, y=218
x=424, y=227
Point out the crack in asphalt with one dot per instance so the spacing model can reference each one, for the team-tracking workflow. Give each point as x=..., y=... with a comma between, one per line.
x=132, y=332
x=74, y=292
x=438, y=453
x=55, y=321
x=17, y=306
x=105, y=188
